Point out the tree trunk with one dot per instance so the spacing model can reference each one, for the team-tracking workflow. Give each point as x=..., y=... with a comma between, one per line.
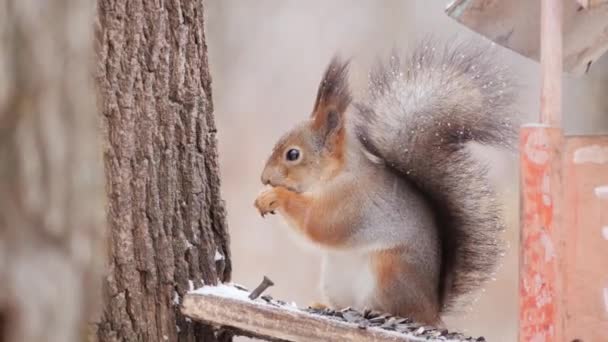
x=167, y=221
x=51, y=184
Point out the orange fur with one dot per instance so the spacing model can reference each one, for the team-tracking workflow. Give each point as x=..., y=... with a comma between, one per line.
x=336, y=144
x=387, y=265
x=391, y=268
x=315, y=217
x=319, y=218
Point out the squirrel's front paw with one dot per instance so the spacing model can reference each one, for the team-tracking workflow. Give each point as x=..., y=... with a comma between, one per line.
x=267, y=201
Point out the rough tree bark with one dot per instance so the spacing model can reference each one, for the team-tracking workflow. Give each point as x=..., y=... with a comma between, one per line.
x=167, y=221
x=51, y=183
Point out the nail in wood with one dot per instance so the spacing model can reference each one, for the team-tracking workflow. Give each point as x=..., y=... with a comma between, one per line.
x=266, y=283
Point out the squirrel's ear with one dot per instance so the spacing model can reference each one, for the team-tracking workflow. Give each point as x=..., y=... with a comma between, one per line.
x=333, y=97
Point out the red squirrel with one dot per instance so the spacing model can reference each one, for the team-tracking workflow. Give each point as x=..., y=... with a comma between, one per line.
x=404, y=215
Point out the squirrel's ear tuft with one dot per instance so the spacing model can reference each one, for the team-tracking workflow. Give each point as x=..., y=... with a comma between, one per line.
x=333, y=97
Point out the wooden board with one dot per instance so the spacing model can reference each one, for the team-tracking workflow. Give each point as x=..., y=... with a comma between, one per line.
x=586, y=242
x=515, y=24
x=227, y=306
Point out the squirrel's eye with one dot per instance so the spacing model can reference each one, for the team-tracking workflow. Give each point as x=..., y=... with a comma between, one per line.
x=293, y=154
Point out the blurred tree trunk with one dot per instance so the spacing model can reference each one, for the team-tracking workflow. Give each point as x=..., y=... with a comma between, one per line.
x=51, y=183
x=167, y=221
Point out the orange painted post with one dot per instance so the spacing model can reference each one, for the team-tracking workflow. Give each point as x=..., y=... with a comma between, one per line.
x=541, y=257
x=540, y=239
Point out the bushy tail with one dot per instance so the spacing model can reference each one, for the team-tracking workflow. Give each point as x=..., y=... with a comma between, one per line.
x=420, y=113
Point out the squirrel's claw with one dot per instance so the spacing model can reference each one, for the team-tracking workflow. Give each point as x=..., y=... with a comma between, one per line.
x=267, y=202
x=264, y=214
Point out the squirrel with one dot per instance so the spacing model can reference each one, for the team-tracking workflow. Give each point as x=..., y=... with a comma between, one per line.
x=405, y=216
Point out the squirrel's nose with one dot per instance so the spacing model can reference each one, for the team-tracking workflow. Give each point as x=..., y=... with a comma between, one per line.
x=272, y=175
x=265, y=177
x=265, y=180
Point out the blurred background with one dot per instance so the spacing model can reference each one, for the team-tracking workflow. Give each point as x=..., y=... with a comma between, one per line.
x=266, y=59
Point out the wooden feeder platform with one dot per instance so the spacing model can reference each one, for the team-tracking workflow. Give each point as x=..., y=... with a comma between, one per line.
x=229, y=306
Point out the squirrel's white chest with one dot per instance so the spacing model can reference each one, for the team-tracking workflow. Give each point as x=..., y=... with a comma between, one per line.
x=347, y=279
